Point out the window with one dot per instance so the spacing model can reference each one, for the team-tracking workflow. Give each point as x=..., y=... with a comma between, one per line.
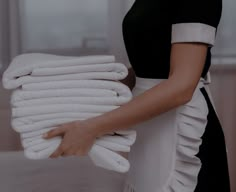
x=64, y=25
x=72, y=27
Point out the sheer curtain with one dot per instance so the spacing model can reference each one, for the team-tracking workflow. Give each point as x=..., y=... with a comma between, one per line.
x=83, y=27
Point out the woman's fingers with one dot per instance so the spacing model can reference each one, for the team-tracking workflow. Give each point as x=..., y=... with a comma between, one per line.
x=81, y=152
x=57, y=153
x=60, y=131
x=68, y=153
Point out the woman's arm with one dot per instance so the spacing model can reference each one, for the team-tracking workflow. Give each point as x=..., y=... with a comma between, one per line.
x=187, y=62
x=192, y=21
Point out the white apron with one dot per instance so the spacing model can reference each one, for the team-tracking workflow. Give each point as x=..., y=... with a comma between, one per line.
x=163, y=156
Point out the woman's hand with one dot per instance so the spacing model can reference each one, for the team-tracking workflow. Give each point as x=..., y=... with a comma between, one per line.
x=78, y=138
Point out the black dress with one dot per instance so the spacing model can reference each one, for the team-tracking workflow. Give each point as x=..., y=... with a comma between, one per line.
x=200, y=160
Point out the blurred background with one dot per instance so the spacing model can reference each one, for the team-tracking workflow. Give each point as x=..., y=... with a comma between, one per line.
x=84, y=27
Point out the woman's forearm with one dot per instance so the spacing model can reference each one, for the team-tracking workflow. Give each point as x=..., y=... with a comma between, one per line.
x=187, y=61
x=161, y=98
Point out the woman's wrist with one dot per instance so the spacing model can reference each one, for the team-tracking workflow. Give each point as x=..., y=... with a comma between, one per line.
x=94, y=126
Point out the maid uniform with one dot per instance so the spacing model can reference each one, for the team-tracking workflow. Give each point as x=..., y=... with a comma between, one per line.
x=182, y=150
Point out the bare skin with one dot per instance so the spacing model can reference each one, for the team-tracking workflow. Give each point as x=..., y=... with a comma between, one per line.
x=187, y=62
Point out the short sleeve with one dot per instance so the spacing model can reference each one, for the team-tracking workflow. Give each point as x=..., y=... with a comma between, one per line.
x=195, y=20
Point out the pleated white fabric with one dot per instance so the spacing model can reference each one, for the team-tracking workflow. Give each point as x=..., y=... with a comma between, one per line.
x=168, y=144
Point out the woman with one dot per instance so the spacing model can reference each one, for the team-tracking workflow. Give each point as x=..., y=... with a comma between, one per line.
x=180, y=145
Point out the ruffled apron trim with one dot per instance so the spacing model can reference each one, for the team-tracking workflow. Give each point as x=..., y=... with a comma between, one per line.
x=191, y=124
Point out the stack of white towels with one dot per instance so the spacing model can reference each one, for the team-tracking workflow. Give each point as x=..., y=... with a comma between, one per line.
x=50, y=90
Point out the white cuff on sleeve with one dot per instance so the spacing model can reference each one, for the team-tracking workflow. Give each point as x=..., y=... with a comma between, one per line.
x=193, y=32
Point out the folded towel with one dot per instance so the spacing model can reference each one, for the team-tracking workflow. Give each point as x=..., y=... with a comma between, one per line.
x=80, y=91
x=103, y=153
x=41, y=144
x=124, y=138
x=47, y=109
x=117, y=101
x=40, y=102
x=89, y=84
x=118, y=142
x=38, y=79
x=53, y=90
x=108, y=159
x=100, y=156
x=98, y=67
x=40, y=125
x=29, y=68
x=37, y=118
x=26, y=142
x=19, y=94
x=40, y=141
x=35, y=133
